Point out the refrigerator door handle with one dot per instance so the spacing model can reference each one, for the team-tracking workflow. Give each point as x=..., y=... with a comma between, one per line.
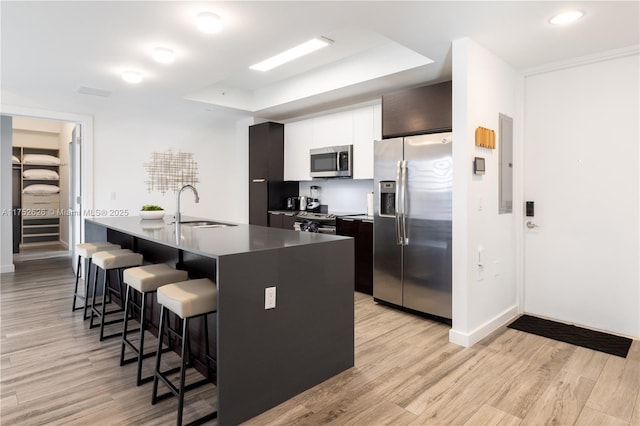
x=398, y=206
x=405, y=238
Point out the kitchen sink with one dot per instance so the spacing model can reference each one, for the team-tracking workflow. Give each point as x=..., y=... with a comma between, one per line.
x=205, y=224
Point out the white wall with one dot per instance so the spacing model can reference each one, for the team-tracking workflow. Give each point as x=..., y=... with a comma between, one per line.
x=581, y=139
x=124, y=141
x=483, y=298
x=341, y=195
x=125, y=135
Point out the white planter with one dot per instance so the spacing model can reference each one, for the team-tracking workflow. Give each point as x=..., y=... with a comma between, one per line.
x=151, y=214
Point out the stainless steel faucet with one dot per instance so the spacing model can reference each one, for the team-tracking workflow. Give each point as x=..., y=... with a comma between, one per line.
x=195, y=192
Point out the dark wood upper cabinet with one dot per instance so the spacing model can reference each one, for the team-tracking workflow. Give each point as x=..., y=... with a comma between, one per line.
x=425, y=109
x=267, y=190
x=266, y=151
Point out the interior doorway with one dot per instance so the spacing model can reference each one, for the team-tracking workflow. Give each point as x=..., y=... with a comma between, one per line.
x=46, y=174
x=581, y=245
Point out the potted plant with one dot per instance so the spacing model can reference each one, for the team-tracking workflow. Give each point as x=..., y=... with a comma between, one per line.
x=151, y=211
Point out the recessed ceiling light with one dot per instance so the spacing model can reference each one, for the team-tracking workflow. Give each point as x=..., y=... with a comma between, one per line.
x=163, y=55
x=566, y=17
x=131, y=76
x=291, y=54
x=208, y=22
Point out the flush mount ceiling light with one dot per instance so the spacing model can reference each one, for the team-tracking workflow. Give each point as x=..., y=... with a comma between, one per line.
x=208, y=22
x=131, y=76
x=163, y=55
x=291, y=54
x=566, y=17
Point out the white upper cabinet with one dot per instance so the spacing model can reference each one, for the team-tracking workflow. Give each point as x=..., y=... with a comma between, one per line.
x=298, y=138
x=358, y=127
x=333, y=129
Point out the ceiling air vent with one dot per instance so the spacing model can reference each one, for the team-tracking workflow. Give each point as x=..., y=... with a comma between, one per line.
x=93, y=91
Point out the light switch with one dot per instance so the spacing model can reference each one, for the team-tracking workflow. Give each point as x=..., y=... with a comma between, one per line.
x=269, y=298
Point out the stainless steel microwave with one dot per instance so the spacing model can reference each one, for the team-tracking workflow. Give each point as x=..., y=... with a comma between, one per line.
x=332, y=161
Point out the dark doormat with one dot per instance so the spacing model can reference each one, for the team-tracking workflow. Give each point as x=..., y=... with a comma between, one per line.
x=596, y=340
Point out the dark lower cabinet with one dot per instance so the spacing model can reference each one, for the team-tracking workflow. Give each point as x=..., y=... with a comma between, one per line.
x=281, y=220
x=362, y=232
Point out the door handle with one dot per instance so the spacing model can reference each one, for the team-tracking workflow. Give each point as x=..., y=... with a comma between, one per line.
x=531, y=225
x=405, y=238
x=259, y=180
x=398, y=203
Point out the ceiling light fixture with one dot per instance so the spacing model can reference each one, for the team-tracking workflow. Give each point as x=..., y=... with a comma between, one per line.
x=163, y=55
x=291, y=54
x=566, y=17
x=208, y=22
x=133, y=77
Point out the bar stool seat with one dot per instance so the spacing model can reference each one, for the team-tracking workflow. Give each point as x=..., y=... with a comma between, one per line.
x=110, y=260
x=143, y=279
x=86, y=251
x=117, y=259
x=188, y=300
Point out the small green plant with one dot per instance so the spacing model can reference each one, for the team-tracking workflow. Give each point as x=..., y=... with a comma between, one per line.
x=150, y=207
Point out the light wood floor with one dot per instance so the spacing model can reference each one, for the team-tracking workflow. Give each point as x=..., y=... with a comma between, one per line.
x=55, y=371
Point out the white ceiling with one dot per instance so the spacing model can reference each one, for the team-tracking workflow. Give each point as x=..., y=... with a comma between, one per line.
x=50, y=49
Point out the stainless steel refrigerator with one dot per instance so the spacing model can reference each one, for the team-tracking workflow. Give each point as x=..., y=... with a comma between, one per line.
x=413, y=180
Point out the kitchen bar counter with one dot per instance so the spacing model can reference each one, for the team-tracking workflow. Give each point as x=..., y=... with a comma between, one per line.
x=264, y=357
x=210, y=241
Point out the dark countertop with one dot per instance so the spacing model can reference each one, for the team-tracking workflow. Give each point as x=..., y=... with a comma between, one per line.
x=358, y=217
x=212, y=242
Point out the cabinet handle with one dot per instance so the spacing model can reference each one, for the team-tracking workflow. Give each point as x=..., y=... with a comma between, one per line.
x=347, y=220
x=259, y=180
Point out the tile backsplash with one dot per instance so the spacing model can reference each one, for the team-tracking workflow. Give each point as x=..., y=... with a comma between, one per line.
x=341, y=195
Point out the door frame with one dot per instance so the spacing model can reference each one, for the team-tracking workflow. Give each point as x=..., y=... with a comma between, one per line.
x=86, y=153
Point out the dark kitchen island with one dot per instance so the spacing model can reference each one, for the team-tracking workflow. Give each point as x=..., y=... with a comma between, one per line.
x=264, y=357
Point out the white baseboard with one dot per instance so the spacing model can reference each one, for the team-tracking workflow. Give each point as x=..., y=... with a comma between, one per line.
x=470, y=339
x=7, y=268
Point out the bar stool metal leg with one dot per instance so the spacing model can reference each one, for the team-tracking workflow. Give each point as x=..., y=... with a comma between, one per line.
x=75, y=291
x=129, y=306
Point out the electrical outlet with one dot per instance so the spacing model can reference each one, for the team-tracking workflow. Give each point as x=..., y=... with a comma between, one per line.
x=269, y=298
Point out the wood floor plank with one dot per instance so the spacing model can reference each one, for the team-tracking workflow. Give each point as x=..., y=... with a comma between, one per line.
x=534, y=374
x=55, y=371
x=593, y=417
x=617, y=388
x=562, y=401
x=635, y=417
x=586, y=363
x=488, y=415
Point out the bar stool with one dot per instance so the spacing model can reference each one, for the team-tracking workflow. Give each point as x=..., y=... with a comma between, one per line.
x=143, y=280
x=87, y=250
x=108, y=261
x=188, y=300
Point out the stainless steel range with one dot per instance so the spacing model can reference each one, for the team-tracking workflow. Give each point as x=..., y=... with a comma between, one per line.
x=324, y=223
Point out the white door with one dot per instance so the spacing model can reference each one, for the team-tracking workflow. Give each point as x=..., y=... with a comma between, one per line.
x=581, y=163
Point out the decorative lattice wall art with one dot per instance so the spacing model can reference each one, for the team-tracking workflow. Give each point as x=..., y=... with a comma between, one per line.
x=169, y=171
